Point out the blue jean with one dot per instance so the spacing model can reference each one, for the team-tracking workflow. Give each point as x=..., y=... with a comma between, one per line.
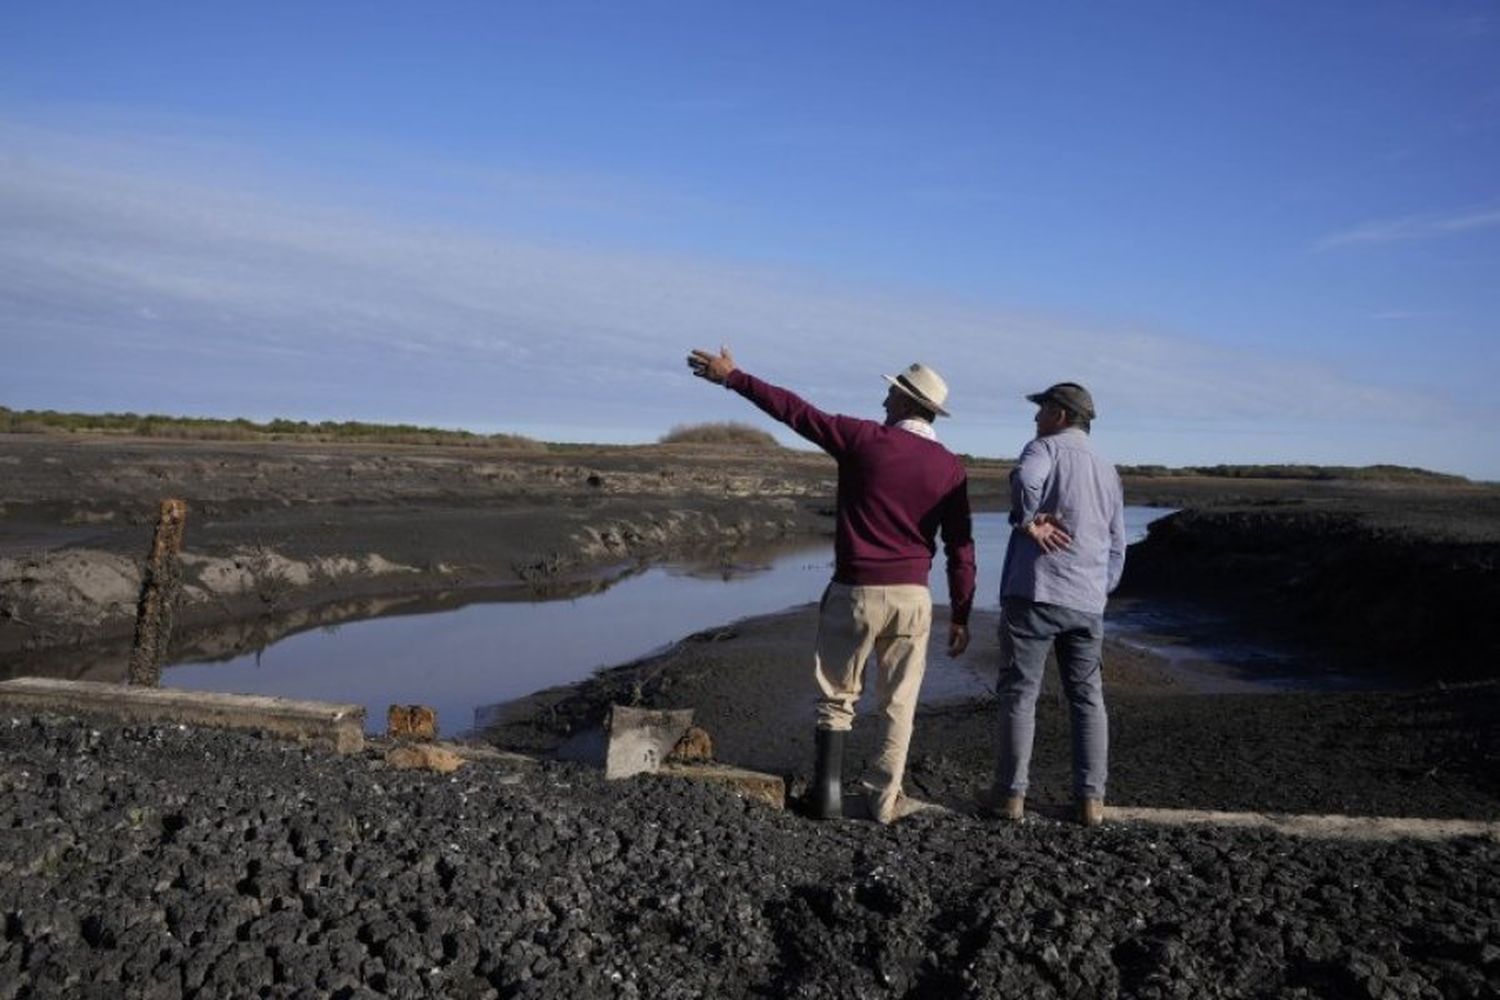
x=1027, y=631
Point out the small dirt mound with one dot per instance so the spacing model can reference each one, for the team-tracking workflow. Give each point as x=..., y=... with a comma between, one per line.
x=727, y=433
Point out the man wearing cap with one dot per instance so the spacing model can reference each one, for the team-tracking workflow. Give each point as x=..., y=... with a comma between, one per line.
x=897, y=488
x=1066, y=553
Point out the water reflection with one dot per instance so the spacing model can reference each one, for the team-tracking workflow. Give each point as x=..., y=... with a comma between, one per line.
x=482, y=654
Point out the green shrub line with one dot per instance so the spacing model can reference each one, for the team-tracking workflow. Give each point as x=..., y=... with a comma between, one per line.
x=156, y=425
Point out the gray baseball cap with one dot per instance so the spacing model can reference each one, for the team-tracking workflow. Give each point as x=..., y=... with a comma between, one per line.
x=1069, y=395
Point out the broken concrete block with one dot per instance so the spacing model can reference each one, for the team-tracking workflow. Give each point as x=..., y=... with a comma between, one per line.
x=411, y=722
x=338, y=727
x=767, y=789
x=695, y=747
x=424, y=756
x=481, y=754
x=640, y=739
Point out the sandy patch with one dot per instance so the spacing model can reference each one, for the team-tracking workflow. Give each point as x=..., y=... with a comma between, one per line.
x=1382, y=828
x=262, y=570
x=78, y=586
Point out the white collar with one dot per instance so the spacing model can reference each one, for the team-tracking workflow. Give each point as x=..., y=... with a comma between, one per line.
x=920, y=428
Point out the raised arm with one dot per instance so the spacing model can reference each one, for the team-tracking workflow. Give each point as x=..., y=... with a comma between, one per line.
x=831, y=433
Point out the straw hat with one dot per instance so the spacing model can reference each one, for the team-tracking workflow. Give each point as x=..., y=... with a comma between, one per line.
x=924, y=385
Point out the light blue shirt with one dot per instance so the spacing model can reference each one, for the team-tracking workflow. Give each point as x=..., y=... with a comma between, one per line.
x=1062, y=474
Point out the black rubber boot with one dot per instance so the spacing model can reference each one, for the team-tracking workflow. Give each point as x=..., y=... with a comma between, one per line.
x=825, y=799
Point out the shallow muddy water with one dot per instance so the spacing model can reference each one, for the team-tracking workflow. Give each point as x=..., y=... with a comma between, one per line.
x=1210, y=654
x=463, y=661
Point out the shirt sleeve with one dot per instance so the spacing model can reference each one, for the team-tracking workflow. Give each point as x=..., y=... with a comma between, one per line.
x=1027, y=480
x=1117, y=537
x=834, y=434
x=958, y=551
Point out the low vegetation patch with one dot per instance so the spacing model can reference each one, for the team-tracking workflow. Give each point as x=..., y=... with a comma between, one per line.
x=727, y=433
x=1382, y=473
x=155, y=425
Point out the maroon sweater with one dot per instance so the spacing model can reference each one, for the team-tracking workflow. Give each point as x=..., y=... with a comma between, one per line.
x=896, y=490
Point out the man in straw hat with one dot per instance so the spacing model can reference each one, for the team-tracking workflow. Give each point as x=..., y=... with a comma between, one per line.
x=1066, y=553
x=897, y=488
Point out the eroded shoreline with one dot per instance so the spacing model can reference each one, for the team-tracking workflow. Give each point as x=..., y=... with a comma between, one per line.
x=285, y=535
x=180, y=862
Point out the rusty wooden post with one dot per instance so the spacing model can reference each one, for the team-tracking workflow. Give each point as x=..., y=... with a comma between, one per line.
x=159, y=590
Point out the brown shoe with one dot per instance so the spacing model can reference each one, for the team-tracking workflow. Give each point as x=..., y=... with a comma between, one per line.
x=904, y=806
x=1090, y=812
x=992, y=805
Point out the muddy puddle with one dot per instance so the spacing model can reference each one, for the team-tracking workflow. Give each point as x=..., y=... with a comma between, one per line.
x=465, y=660
x=1212, y=654
x=462, y=659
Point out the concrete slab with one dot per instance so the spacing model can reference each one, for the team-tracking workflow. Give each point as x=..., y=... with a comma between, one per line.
x=754, y=785
x=641, y=739
x=423, y=757
x=474, y=753
x=1330, y=827
x=490, y=755
x=337, y=727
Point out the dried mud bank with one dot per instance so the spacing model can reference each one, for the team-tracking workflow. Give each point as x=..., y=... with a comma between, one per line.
x=1431, y=753
x=1406, y=589
x=282, y=536
x=167, y=862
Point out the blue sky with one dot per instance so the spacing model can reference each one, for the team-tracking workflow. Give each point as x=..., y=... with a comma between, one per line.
x=1260, y=232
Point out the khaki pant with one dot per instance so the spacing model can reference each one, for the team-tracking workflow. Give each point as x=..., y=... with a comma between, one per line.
x=893, y=622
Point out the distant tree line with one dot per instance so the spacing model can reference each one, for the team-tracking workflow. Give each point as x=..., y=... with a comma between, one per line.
x=156, y=425
x=1384, y=473
x=1368, y=473
x=730, y=434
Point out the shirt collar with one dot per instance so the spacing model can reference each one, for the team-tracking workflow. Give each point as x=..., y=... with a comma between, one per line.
x=920, y=428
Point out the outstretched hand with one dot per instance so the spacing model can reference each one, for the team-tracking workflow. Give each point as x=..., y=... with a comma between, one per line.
x=714, y=367
x=1049, y=533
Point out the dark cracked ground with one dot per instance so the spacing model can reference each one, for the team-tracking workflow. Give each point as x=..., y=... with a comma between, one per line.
x=176, y=862
x=166, y=862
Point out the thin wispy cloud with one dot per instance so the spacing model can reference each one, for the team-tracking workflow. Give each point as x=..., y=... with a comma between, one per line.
x=1470, y=27
x=954, y=196
x=150, y=289
x=1412, y=227
x=708, y=104
x=1404, y=315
